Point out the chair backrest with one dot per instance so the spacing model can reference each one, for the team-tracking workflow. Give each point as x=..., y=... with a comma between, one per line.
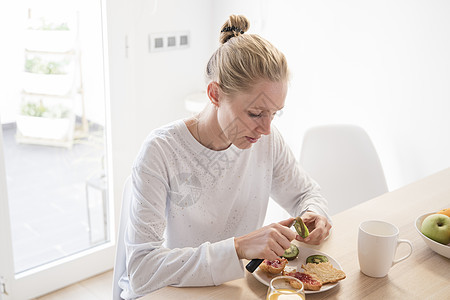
x=119, y=264
x=343, y=160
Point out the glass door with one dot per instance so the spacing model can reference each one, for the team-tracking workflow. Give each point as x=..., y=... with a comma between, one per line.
x=55, y=210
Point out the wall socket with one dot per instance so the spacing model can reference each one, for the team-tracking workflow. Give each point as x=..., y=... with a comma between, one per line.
x=168, y=41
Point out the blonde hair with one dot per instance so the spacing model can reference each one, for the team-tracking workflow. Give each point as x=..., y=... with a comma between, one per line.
x=243, y=59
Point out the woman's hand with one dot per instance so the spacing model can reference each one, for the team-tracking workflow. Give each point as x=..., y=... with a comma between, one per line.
x=268, y=242
x=318, y=226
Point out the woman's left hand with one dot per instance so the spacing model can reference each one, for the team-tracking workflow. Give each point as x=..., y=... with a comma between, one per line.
x=318, y=226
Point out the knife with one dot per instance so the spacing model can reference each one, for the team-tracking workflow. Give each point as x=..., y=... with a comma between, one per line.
x=254, y=263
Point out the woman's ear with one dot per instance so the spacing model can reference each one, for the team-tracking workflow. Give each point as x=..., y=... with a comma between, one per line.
x=213, y=93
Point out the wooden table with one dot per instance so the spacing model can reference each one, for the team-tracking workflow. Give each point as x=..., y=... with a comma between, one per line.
x=424, y=275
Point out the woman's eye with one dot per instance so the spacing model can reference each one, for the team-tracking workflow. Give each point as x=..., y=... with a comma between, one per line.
x=253, y=115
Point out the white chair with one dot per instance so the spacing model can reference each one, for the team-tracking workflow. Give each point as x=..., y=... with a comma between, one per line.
x=344, y=162
x=119, y=264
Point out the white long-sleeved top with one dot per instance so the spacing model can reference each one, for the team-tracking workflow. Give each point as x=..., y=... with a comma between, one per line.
x=189, y=202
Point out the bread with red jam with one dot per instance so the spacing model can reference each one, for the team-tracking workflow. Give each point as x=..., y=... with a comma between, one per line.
x=310, y=281
x=273, y=266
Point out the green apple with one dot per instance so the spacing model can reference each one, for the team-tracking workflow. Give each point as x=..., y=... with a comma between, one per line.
x=437, y=228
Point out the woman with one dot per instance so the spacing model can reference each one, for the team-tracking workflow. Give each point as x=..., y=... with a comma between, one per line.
x=201, y=185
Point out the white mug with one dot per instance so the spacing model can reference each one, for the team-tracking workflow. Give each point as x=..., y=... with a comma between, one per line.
x=377, y=244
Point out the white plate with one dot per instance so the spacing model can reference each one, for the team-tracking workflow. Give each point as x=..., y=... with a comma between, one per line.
x=265, y=277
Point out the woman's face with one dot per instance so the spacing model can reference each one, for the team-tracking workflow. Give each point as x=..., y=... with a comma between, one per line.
x=245, y=117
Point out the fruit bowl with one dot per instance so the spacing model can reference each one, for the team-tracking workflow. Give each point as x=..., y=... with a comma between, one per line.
x=439, y=248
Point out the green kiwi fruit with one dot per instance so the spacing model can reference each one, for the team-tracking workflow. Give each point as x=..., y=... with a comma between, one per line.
x=316, y=259
x=301, y=228
x=291, y=253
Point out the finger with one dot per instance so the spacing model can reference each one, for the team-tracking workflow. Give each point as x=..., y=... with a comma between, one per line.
x=308, y=217
x=282, y=236
x=313, y=238
x=308, y=240
x=272, y=250
x=318, y=235
x=317, y=222
x=287, y=222
x=277, y=231
x=312, y=242
x=299, y=238
x=323, y=226
x=285, y=231
x=272, y=256
x=284, y=244
x=279, y=249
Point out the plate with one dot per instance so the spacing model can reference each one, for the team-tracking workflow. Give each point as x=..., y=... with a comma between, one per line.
x=265, y=277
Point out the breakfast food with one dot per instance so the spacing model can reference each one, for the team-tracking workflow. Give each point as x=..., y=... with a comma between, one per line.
x=291, y=253
x=273, y=266
x=325, y=272
x=316, y=259
x=317, y=272
x=445, y=211
x=301, y=228
x=310, y=281
x=437, y=228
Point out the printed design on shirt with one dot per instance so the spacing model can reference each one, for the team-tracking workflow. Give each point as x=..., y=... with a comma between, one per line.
x=185, y=189
x=215, y=163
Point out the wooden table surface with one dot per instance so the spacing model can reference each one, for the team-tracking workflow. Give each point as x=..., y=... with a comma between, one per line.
x=424, y=275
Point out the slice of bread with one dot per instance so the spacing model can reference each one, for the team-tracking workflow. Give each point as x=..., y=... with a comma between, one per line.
x=310, y=281
x=273, y=266
x=325, y=272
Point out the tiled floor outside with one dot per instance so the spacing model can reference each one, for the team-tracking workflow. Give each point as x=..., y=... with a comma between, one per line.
x=47, y=196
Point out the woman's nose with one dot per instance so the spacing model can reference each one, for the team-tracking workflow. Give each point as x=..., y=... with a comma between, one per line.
x=264, y=125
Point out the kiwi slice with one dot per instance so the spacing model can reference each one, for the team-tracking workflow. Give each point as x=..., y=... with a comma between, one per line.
x=291, y=253
x=301, y=228
x=317, y=259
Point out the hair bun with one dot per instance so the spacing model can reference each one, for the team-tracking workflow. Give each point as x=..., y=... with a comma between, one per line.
x=234, y=26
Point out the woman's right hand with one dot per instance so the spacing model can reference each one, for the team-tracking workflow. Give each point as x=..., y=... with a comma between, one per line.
x=268, y=242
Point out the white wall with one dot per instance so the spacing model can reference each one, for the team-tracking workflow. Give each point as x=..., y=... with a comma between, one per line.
x=147, y=90
x=383, y=65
